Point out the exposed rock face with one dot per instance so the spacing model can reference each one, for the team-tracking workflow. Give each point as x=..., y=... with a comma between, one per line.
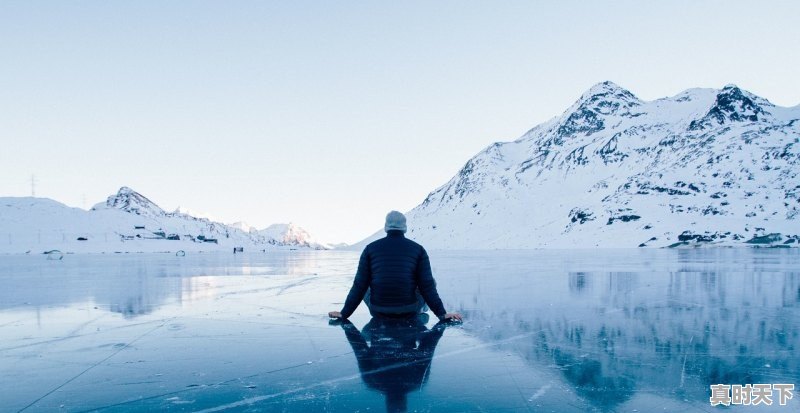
x=128, y=200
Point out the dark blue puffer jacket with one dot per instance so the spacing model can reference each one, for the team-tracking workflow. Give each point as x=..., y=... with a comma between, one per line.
x=393, y=268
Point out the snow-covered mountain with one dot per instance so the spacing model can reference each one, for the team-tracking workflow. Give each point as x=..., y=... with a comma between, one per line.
x=128, y=200
x=705, y=167
x=287, y=234
x=129, y=222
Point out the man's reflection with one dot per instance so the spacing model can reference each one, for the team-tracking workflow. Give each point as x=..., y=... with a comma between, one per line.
x=394, y=355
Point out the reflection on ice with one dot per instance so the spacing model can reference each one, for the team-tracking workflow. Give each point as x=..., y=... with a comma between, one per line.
x=616, y=335
x=545, y=330
x=394, y=356
x=136, y=284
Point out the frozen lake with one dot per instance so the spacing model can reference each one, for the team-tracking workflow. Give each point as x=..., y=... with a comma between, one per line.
x=603, y=330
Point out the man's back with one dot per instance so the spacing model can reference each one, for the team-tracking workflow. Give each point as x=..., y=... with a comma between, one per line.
x=393, y=262
x=394, y=268
x=397, y=273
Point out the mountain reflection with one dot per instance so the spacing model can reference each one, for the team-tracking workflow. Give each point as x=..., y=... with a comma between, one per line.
x=137, y=284
x=611, y=336
x=394, y=356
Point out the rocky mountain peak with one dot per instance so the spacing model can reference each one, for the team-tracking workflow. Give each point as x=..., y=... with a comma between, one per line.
x=131, y=201
x=290, y=235
x=608, y=98
x=606, y=88
x=732, y=105
x=586, y=115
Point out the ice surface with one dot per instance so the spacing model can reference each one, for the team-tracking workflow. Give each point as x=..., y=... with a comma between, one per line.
x=602, y=330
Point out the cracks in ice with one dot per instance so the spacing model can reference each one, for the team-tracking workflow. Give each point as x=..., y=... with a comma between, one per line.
x=73, y=378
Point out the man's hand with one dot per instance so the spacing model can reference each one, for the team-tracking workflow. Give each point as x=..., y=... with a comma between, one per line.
x=335, y=314
x=452, y=317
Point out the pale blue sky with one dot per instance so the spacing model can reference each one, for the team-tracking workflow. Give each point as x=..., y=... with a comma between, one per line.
x=329, y=114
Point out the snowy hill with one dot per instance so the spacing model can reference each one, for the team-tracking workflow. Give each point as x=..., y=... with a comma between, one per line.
x=705, y=167
x=287, y=234
x=129, y=222
x=128, y=200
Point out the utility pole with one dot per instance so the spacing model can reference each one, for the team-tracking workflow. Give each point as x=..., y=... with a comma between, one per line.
x=33, y=185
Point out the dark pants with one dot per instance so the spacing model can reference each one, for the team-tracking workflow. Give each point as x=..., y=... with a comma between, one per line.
x=420, y=307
